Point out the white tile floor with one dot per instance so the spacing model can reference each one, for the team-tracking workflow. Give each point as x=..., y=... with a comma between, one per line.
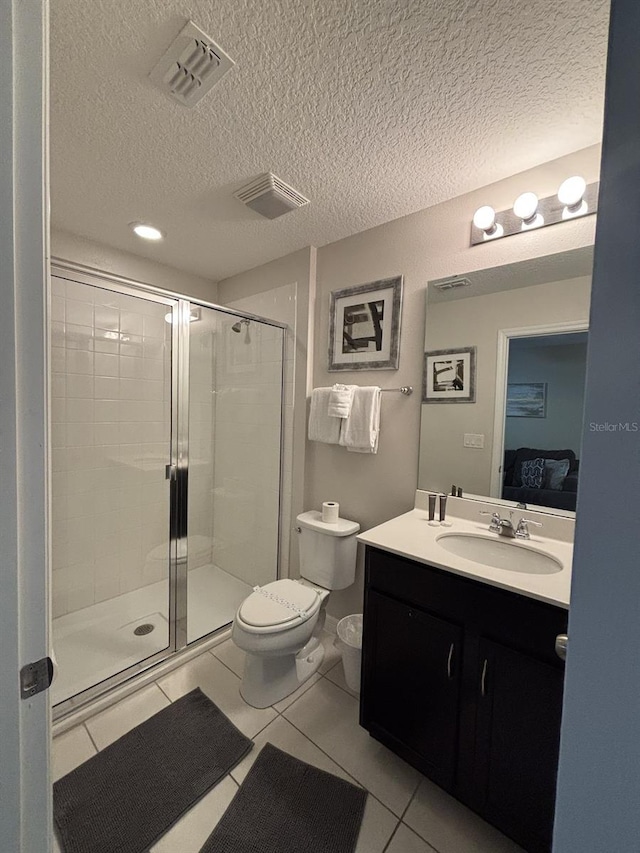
x=405, y=812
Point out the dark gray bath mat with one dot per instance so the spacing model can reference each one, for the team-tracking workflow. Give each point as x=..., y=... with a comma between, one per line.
x=133, y=791
x=287, y=806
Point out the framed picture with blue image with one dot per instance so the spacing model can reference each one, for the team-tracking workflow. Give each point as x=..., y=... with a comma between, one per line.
x=527, y=400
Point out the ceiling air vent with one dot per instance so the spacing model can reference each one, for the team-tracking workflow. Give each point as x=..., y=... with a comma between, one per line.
x=270, y=197
x=191, y=66
x=450, y=283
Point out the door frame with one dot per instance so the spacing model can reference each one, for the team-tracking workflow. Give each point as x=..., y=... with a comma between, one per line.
x=599, y=770
x=502, y=371
x=25, y=799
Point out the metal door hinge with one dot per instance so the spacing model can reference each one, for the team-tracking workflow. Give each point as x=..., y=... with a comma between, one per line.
x=36, y=677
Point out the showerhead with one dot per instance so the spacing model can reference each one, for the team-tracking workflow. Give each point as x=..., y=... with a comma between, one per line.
x=237, y=327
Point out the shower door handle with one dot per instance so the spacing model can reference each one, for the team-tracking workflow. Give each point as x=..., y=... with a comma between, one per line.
x=170, y=472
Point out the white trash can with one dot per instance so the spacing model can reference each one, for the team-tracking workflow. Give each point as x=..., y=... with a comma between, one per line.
x=349, y=642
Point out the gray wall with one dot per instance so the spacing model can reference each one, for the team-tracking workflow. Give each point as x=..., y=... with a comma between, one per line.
x=563, y=369
x=71, y=247
x=427, y=245
x=599, y=777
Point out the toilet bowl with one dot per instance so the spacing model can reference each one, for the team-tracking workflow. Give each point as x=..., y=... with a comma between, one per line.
x=279, y=625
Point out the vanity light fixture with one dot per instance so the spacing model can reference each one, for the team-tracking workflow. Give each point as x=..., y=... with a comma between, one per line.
x=147, y=232
x=571, y=195
x=525, y=207
x=485, y=220
x=575, y=198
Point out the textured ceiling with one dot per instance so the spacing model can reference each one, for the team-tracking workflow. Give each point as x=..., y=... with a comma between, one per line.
x=373, y=109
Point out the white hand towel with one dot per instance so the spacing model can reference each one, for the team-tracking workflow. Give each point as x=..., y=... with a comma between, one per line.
x=361, y=429
x=321, y=426
x=340, y=401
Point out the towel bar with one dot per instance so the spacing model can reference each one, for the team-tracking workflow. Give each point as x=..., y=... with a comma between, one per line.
x=407, y=390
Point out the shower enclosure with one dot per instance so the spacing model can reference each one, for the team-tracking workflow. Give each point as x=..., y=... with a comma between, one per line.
x=166, y=443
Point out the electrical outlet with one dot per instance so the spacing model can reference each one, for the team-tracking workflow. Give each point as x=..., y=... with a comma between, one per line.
x=474, y=440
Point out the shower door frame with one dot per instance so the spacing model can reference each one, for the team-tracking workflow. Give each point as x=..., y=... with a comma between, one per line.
x=177, y=467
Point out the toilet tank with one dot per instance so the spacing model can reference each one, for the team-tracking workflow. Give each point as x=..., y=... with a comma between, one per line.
x=327, y=551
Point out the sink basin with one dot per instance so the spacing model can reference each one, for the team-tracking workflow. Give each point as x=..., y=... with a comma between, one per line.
x=499, y=553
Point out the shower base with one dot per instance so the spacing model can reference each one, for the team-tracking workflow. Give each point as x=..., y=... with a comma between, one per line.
x=99, y=641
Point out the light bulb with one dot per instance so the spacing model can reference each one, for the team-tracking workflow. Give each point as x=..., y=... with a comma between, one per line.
x=525, y=206
x=571, y=191
x=147, y=232
x=485, y=218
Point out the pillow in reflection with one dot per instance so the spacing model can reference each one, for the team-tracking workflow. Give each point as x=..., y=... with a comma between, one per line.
x=555, y=470
x=533, y=473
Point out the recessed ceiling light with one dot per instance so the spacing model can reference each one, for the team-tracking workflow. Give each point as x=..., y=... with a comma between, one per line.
x=147, y=232
x=194, y=315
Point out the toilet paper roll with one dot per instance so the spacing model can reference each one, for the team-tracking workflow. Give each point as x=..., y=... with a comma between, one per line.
x=330, y=512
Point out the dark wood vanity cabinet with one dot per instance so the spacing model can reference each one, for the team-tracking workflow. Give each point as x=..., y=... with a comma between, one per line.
x=415, y=699
x=462, y=681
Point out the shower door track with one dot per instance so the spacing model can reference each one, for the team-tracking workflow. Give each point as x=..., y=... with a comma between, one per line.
x=178, y=472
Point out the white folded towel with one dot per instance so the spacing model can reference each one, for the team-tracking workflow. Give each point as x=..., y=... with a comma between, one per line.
x=340, y=401
x=321, y=426
x=361, y=429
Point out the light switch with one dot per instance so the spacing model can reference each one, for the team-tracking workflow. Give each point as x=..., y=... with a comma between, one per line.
x=475, y=440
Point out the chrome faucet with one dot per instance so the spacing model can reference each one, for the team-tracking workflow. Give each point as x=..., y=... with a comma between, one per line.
x=522, y=530
x=501, y=526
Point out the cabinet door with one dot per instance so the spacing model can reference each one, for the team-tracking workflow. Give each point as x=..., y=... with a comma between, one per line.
x=412, y=684
x=517, y=743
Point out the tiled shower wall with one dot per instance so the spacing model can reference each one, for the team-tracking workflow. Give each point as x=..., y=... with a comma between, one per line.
x=248, y=419
x=111, y=391
x=111, y=386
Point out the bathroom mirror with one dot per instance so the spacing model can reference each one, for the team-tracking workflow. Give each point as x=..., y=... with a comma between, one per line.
x=517, y=440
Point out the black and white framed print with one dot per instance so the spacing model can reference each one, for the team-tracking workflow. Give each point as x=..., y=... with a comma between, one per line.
x=364, y=326
x=449, y=376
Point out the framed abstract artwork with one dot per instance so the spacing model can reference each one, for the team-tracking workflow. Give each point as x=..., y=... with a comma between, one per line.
x=364, y=326
x=449, y=376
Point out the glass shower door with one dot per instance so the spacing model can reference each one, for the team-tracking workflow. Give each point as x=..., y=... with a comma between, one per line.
x=235, y=413
x=112, y=434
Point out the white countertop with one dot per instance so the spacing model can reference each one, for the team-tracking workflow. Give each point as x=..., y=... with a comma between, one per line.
x=411, y=535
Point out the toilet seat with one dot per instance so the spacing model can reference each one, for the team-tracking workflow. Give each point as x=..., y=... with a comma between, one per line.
x=277, y=606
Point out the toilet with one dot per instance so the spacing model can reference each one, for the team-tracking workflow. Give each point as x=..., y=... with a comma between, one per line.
x=278, y=625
